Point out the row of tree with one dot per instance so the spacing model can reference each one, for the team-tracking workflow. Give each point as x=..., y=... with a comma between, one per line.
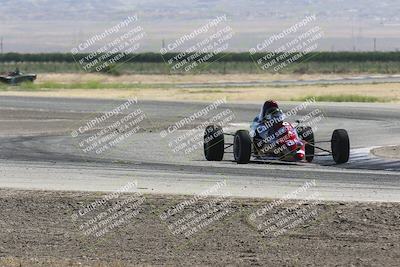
x=222, y=57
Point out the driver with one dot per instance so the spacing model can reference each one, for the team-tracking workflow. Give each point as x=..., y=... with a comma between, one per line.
x=15, y=73
x=266, y=123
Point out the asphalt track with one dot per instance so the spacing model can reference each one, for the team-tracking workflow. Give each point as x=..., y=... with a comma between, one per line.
x=37, y=151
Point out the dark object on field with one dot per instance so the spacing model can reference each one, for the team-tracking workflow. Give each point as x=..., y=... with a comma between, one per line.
x=16, y=77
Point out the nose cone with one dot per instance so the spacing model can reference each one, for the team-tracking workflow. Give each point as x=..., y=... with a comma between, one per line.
x=300, y=155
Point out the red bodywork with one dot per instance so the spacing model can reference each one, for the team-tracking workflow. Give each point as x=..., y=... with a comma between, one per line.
x=289, y=145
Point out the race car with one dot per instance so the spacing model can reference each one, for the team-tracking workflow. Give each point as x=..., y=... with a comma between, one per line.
x=293, y=143
x=16, y=77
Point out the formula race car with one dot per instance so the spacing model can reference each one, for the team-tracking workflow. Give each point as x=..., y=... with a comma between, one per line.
x=16, y=77
x=291, y=144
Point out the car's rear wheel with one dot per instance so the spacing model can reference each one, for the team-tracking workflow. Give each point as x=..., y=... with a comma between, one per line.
x=3, y=80
x=306, y=133
x=214, y=143
x=242, y=147
x=340, y=146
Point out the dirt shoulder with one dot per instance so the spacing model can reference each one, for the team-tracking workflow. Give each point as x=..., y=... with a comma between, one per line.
x=164, y=87
x=41, y=228
x=389, y=91
x=392, y=152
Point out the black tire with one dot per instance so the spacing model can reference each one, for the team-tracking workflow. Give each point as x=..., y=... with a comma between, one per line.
x=242, y=147
x=306, y=133
x=340, y=146
x=4, y=80
x=214, y=143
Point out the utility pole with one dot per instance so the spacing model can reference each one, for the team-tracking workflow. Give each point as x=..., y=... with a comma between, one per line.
x=374, y=44
x=1, y=45
x=352, y=33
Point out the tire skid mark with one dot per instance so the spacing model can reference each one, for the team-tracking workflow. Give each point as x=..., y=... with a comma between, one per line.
x=361, y=158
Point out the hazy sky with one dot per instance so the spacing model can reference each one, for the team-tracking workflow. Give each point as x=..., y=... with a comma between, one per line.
x=50, y=25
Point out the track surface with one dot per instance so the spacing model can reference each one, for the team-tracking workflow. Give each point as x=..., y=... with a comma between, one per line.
x=38, y=152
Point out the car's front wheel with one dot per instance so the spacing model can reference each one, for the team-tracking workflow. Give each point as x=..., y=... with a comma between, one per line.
x=242, y=147
x=214, y=143
x=340, y=146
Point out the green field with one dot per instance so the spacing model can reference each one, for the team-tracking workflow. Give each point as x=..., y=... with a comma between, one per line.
x=390, y=67
x=45, y=86
x=320, y=64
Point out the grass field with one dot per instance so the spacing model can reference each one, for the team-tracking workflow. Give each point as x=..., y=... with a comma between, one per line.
x=155, y=80
x=389, y=67
x=167, y=87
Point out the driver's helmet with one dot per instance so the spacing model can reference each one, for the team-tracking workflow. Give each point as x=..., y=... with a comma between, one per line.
x=274, y=115
x=269, y=104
